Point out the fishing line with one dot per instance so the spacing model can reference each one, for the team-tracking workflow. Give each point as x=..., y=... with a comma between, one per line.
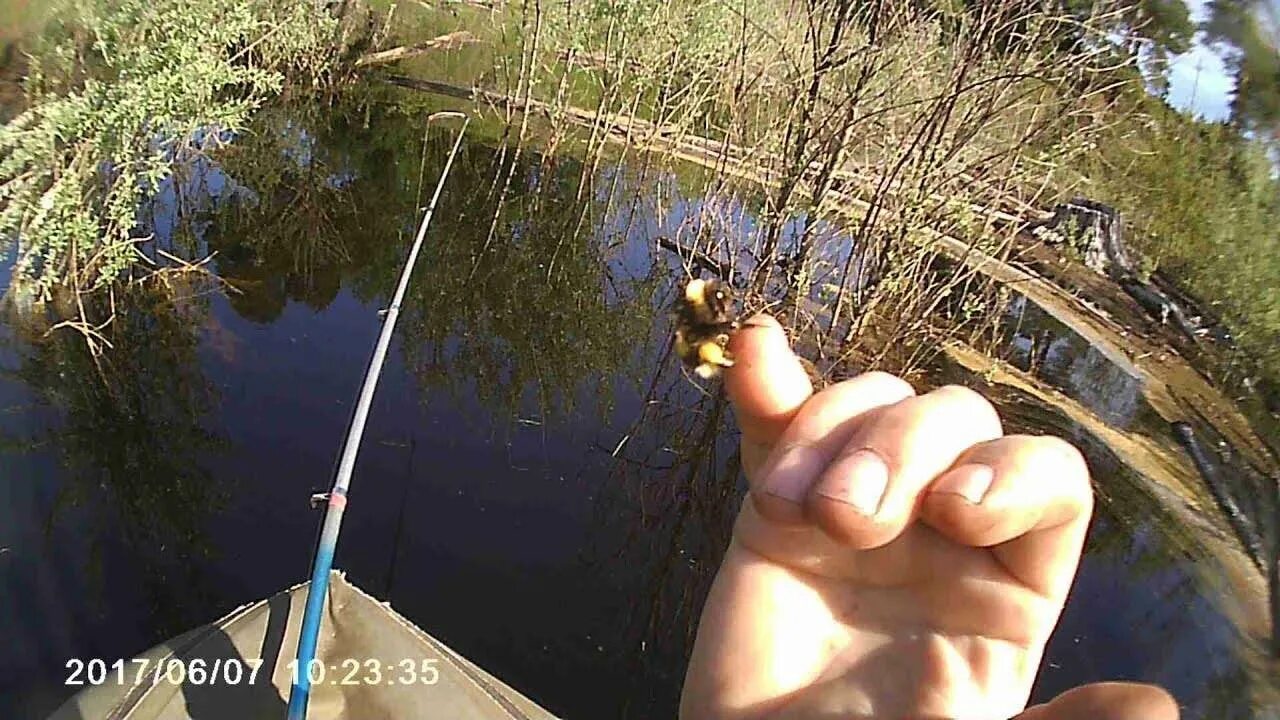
x=300, y=693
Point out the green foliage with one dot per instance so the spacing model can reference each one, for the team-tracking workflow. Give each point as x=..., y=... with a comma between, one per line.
x=1166, y=22
x=119, y=94
x=1164, y=25
x=657, y=48
x=20, y=17
x=638, y=30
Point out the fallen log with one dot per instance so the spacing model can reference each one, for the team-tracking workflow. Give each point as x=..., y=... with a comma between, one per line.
x=1241, y=525
x=1159, y=306
x=450, y=41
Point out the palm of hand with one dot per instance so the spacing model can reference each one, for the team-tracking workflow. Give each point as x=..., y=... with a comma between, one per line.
x=936, y=602
x=921, y=627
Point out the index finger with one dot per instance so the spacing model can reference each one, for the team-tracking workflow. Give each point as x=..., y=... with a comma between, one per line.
x=767, y=383
x=1027, y=498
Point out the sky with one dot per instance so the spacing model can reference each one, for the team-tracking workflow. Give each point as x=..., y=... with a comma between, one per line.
x=1198, y=79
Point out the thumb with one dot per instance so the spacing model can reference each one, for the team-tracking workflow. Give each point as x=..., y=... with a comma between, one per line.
x=767, y=383
x=1107, y=701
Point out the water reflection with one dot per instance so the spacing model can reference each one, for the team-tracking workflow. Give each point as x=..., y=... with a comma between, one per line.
x=677, y=468
x=113, y=447
x=512, y=290
x=130, y=419
x=541, y=485
x=1040, y=344
x=295, y=234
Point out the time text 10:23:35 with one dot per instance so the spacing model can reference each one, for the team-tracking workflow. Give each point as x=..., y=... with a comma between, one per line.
x=236, y=671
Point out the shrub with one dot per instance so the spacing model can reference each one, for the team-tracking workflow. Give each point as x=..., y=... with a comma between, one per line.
x=118, y=95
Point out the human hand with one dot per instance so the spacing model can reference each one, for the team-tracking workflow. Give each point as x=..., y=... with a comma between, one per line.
x=898, y=556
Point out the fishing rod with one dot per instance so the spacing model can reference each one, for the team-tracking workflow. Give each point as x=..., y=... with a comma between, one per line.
x=300, y=693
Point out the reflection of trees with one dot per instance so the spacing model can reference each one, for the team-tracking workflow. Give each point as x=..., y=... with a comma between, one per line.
x=291, y=239
x=526, y=302
x=508, y=290
x=673, y=483
x=130, y=424
x=333, y=195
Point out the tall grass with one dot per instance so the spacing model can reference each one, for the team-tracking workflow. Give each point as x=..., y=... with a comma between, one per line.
x=876, y=129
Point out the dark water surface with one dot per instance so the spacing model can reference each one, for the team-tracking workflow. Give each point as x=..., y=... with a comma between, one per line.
x=540, y=486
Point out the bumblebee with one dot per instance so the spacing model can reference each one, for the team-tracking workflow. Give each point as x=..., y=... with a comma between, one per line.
x=704, y=320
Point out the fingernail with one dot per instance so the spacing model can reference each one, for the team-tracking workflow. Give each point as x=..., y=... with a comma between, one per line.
x=970, y=482
x=858, y=479
x=792, y=473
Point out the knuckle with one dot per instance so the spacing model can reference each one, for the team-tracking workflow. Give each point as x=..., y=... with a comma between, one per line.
x=961, y=394
x=1068, y=464
x=889, y=381
x=1066, y=455
x=888, y=389
x=969, y=402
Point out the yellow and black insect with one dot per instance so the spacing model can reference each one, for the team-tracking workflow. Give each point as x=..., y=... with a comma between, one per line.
x=704, y=320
